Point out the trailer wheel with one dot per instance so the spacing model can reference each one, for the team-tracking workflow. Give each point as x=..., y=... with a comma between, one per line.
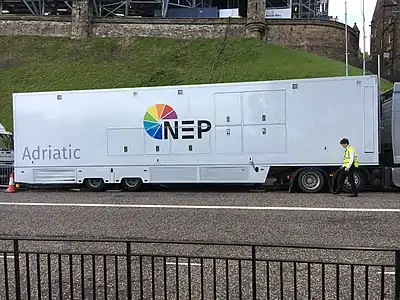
x=94, y=184
x=131, y=184
x=311, y=181
x=359, y=179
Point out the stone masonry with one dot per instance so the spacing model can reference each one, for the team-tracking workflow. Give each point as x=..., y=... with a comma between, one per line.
x=255, y=21
x=182, y=28
x=317, y=36
x=385, y=41
x=37, y=26
x=80, y=19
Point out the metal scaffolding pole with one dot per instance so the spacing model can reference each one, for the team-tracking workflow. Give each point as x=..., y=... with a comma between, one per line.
x=347, y=52
x=364, y=37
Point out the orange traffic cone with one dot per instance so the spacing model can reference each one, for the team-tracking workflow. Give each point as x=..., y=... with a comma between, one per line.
x=11, y=184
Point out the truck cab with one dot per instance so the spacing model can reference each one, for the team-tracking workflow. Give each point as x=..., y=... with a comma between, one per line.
x=390, y=135
x=6, y=147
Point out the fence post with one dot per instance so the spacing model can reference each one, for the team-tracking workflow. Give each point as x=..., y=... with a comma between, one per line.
x=254, y=273
x=16, y=270
x=397, y=275
x=128, y=270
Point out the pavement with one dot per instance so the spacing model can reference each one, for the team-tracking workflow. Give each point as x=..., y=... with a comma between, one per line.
x=272, y=218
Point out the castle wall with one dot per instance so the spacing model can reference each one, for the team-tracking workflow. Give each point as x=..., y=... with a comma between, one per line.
x=317, y=36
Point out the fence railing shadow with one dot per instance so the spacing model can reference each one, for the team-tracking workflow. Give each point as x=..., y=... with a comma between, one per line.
x=150, y=269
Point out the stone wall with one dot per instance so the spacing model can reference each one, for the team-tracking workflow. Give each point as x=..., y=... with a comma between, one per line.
x=35, y=26
x=385, y=39
x=319, y=37
x=80, y=22
x=182, y=28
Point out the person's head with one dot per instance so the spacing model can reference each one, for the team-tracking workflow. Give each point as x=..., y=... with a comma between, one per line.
x=344, y=142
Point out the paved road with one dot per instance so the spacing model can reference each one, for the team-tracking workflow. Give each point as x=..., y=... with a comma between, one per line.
x=265, y=218
x=262, y=226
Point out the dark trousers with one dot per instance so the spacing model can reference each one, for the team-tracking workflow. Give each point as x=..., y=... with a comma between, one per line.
x=342, y=174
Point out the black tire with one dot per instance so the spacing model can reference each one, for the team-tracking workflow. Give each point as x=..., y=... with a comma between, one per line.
x=131, y=184
x=311, y=181
x=359, y=178
x=94, y=184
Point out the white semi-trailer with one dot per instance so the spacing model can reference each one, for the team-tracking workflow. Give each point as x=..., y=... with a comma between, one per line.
x=212, y=133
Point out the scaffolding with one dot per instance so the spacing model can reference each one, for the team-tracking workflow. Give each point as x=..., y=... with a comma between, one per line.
x=310, y=9
x=141, y=8
x=301, y=9
x=36, y=7
x=278, y=3
x=98, y=8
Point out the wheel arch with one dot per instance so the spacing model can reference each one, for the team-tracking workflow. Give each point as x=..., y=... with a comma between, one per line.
x=293, y=182
x=365, y=177
x=366, y=172
x=124, y=181
x=100, y=186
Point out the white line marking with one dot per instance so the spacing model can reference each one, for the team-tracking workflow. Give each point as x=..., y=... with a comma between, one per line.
x=8, y=256
x=389, y=273
x=110, y=205
x=183, y=264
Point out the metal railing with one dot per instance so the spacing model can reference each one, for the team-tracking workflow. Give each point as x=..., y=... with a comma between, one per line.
x=147, y=269
x=5, y=171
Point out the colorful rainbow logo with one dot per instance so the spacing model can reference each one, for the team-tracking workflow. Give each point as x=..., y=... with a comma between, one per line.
x=153, y=118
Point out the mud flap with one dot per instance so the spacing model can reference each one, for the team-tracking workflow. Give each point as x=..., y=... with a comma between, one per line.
x=334, y=182
x=293, y=181
x=291, y=184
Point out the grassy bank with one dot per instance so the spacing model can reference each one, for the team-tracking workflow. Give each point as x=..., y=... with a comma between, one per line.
x=40, y=64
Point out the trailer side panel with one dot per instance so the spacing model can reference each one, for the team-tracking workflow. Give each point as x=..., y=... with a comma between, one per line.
x=199, y=133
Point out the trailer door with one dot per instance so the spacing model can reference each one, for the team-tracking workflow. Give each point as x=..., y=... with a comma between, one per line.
x=369, y=119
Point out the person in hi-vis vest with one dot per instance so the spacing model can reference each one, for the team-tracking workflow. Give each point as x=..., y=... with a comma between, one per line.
x=350, y=163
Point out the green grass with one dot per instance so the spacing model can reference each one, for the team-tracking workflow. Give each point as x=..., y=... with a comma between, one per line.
x=45, y=64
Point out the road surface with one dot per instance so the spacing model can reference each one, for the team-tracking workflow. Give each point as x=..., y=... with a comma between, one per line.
x=371, y=220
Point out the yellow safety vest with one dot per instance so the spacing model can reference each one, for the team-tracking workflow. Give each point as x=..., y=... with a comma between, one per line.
x=346, y=158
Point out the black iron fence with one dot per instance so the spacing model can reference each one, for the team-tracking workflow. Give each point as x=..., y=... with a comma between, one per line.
x=5, y=172
x=113, y=269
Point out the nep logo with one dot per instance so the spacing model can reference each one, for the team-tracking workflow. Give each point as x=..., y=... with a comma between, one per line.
x=157, y=123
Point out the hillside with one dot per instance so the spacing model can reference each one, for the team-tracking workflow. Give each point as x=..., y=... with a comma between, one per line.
x=39, y=64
